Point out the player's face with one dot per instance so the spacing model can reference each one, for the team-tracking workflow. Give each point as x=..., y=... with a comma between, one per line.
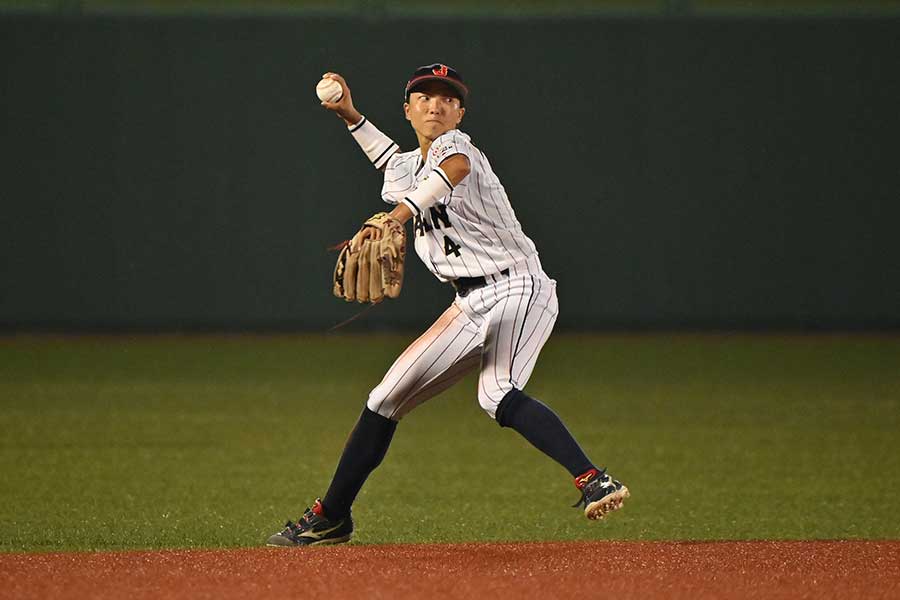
x=433, y=109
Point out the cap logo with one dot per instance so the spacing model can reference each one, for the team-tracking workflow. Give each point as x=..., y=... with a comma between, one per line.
x=440, y=71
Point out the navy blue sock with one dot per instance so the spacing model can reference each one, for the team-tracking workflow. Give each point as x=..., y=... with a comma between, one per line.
x=543, y=428
x=365, y=449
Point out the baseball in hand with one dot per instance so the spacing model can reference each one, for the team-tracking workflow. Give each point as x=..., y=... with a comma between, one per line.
x=329, y=90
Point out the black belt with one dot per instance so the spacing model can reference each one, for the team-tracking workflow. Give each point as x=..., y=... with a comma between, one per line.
x=464, y=285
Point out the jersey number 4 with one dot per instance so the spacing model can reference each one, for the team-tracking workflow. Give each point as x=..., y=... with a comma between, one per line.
x=450, y=247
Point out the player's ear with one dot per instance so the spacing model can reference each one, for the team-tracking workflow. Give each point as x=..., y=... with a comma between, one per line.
x=462, y=113
x=406, y=110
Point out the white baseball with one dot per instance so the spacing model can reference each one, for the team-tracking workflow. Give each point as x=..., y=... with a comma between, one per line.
x=329, y=90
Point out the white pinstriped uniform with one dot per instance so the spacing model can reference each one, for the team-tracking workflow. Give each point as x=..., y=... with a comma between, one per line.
x=476, y=215
x=499, y=328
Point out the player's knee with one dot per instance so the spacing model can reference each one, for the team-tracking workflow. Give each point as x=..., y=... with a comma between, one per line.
x=490, y=399
x=380, y=402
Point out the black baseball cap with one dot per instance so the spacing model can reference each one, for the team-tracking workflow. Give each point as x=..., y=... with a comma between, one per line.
x=437, y=72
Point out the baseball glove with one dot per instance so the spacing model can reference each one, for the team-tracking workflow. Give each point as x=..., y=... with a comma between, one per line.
x=369, y=269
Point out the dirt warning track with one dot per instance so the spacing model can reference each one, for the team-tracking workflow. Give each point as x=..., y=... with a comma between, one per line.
x=502, y=570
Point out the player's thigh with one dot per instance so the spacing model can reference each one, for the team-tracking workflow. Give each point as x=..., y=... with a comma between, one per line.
x=517, y=328
x=440, y=382
x=437, y=359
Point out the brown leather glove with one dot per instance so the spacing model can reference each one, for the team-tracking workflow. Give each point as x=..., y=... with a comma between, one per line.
x=368, y=269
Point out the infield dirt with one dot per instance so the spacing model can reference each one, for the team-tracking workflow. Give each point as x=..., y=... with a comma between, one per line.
x=764, y=569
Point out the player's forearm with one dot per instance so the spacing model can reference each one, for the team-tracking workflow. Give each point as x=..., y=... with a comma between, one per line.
x=402, y=213
x=377, y=146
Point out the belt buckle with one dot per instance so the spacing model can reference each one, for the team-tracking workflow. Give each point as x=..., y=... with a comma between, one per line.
x=463, y=290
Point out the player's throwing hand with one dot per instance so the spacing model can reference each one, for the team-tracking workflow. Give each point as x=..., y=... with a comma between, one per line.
x=343, y=108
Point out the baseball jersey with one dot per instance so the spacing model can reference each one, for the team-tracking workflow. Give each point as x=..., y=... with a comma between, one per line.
x=471, y=231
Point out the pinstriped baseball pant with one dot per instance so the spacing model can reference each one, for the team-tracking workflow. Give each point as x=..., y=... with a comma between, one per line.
x=499, y=329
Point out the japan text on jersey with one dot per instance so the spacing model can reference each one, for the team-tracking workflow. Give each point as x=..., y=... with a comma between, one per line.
x=473, y=230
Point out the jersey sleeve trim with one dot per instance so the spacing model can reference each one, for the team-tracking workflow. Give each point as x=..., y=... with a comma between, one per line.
x=377, y=146
x=443, y=176
x=358, y=125
x=412, y=205
x=430, y=191
x=448, y=144
x=389, y=152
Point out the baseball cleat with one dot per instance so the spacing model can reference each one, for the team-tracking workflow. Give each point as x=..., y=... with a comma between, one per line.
x=313, y=529
x=600, y=494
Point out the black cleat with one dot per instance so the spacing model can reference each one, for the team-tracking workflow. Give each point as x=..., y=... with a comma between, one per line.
x=313, y=529
x=600, y=494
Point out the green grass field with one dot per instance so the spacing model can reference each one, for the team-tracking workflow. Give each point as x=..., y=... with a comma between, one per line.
x=151, y=442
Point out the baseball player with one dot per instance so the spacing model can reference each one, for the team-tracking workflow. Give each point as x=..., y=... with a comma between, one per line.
x=504, y=309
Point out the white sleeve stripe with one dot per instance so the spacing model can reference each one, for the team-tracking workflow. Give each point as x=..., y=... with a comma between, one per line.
x=412, y=205
x=358, y=125
x=370, y=138
x=443, y=175
x=378, y=160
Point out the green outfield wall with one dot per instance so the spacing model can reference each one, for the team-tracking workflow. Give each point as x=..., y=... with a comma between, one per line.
x=176, y=172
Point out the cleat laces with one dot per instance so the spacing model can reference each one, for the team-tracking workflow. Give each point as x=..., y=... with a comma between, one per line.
x=602, y=481
x=304, y=523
